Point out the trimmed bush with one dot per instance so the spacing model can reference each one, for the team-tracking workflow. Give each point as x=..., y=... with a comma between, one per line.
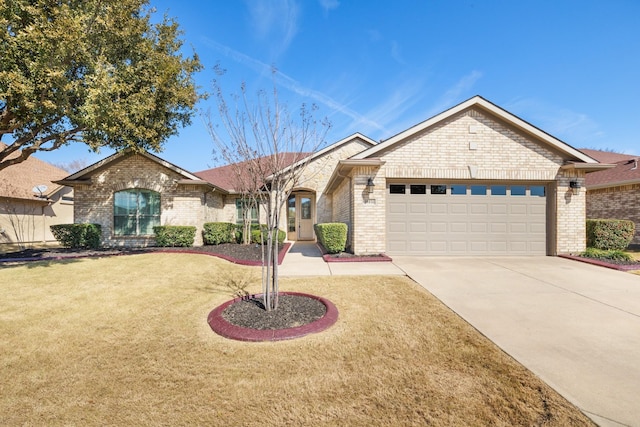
x=77, y=236
x=332, y=236
x=609, y=234
x=174, y=235
x=215, y=233
x=255, y=234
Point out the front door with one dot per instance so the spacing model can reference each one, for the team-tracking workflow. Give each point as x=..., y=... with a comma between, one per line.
x=300, y=216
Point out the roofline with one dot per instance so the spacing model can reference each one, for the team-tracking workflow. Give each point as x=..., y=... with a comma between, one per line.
x=346, y=166
x=478, y=101
x=326, y=149
x=587, y=167
x=613, y=184
x=123, y=153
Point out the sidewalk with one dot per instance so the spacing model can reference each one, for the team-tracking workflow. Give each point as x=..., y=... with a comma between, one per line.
x=305, y=259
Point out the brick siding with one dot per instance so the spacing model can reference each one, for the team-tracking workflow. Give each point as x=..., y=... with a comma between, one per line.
x=621, y=202
x=180, y=204
x=450, y=150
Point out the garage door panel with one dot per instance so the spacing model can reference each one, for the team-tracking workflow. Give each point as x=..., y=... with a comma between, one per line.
x=448, y=224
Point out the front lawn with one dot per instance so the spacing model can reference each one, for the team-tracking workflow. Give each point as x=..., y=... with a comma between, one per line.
x=124, y=341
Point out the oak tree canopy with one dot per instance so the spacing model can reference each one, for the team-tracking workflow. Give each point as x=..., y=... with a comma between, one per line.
x=98, y=72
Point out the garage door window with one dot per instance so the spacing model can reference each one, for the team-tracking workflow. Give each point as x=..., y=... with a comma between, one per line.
x=518, y=190
x=478, y=190
x=457, y=189
x=498, y=190
x=438, y=189
x=537, y=190
x=418, y=189
x=397, y=189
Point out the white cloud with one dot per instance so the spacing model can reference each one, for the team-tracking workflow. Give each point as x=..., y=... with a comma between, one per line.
x=574, y=128
x=293, y=85
x=395, y=52
x=275, y=21
x=454, y=94
x=329, y=5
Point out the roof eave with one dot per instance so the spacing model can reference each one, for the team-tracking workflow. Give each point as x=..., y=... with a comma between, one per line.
x=345, y=167
x=587, y=167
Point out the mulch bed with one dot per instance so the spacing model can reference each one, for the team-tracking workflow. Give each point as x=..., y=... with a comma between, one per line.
x=615, y=265
x=232, y=252
x=293, y=311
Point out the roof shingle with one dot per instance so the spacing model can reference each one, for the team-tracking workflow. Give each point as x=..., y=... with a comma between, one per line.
x=17, y=181
x=626, y=170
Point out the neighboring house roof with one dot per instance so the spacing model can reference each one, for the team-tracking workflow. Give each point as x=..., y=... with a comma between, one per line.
x=494, y=110
x=626, y=170
x=19, y=180
x=83, y=176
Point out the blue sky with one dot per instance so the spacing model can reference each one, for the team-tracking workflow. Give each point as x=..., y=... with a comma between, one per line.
x=568, y=67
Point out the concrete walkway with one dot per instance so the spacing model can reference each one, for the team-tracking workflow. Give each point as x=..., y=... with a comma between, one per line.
x=305, y=259
x=575, y=325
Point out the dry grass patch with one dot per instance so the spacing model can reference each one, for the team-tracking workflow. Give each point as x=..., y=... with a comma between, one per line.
x=124, y=341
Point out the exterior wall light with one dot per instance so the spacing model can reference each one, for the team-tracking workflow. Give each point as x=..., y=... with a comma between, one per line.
x=370, y=185
x=575, y=187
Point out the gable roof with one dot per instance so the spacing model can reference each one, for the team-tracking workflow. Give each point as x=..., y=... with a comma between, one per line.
x=225, y=176
x=17, y=181
x=625, y=171
x=492, y=109
x=83, y=176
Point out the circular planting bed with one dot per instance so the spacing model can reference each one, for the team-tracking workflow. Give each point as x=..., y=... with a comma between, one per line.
x=298, y=314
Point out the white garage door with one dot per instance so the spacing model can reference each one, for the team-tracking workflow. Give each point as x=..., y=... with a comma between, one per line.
x=466, y=219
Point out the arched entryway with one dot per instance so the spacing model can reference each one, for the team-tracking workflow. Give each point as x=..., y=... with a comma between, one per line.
x=301, y=214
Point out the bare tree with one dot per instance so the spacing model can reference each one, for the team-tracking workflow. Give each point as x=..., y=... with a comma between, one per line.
x=269, y=149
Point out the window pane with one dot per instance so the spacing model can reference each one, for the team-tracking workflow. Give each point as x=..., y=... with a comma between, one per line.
x=124, y=225
x=518, y=190
x=305, y=208
x=438, y=189
x=418, y=189
x=147, y=223
x=498, y=190
x=291, y=213
x=478, y=190
x=457, y=189
x=537, y=190
x=397, y=189
x=125, y=203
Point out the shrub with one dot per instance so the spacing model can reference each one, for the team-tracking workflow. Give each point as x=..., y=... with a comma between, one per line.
x=610, y=255
x=77, y=236
x=174, y=235
x=609, y=234
x=256, y=234
x=332, y=236
x=215, y=233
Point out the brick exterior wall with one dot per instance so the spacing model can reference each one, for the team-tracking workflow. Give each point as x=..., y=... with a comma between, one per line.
x=451, y=150
x=621, y=202
x=180, y=204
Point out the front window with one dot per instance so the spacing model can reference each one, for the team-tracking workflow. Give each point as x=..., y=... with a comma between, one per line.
x=246, y=207
x=135, y=212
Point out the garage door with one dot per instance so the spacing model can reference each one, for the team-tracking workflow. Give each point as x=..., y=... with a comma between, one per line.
x=466, y=219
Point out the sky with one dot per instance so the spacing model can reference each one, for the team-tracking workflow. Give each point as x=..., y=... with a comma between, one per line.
x=570, y=68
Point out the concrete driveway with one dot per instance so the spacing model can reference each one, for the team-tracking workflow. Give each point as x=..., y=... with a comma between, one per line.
x=575, y=325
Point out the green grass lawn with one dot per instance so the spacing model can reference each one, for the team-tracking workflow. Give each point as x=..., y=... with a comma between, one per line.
x=124, y=341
